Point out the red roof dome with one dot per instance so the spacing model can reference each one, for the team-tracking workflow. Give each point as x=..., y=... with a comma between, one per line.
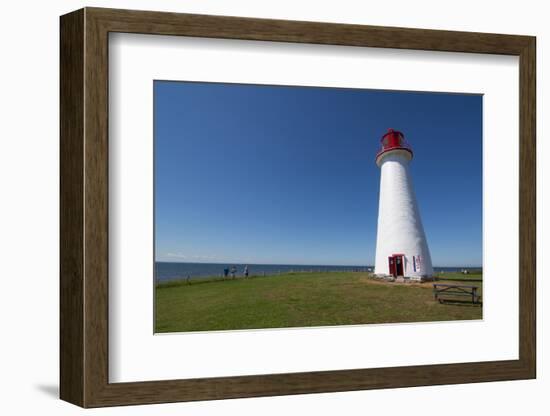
x=393, y=140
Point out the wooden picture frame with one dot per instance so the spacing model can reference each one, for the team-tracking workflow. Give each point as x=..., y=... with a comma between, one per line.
x=84, y=207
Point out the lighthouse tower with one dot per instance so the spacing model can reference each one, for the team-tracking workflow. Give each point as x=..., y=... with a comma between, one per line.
x=401, y=246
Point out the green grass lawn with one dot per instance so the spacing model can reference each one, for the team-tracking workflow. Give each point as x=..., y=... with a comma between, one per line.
x=303, y=299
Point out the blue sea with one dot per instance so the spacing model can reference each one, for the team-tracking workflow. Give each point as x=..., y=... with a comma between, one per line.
x=165, y=271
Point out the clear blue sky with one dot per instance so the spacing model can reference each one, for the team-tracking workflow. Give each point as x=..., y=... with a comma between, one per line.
x=286, y=175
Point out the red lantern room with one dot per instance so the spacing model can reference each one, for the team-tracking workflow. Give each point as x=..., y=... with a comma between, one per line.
x=393, y=140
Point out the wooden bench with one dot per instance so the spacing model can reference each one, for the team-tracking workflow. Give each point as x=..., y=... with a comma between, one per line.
x=441, y=289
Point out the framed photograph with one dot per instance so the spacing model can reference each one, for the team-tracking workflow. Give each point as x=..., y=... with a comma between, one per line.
x=254, y=207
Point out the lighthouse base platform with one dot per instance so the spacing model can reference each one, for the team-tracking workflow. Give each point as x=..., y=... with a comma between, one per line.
x=405, y=279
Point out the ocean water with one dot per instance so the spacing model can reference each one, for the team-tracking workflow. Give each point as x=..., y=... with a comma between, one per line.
x=165, y=271
x=173, y=271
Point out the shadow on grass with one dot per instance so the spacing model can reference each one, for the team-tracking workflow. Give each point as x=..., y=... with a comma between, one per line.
x=455, y=279
x=460, y=302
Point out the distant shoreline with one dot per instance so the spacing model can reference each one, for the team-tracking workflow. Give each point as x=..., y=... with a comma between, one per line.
x=170, y=271
x=165, y=271
x=262, y=264
x=303, y=265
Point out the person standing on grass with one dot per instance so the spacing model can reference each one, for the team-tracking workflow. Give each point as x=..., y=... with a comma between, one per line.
x=233, y=271
x=225, y=272
x=246, y=271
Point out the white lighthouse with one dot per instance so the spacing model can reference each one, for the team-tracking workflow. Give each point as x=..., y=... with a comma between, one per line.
x=401, y=246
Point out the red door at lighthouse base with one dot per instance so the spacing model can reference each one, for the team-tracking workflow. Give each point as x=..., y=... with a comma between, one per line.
x=395, y=263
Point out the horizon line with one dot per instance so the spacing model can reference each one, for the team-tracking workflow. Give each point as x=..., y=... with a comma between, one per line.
x=295, y=264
